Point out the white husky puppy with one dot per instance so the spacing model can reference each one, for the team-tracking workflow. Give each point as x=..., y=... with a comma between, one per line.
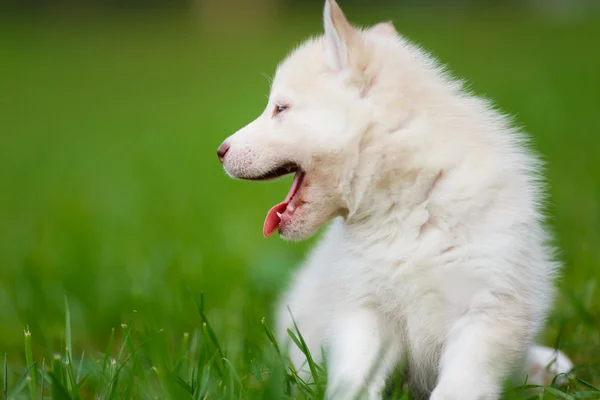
x=436, y=256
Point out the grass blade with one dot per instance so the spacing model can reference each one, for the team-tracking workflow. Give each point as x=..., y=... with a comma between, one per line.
x=68, y=337
x=43, y=371
x=114, y=380
x=186, y=386
x=30, y=365
x=270, y=335
x=300, y=384
x=206, y=324
x=181, y=366
x=69, y=376
x=68, y=349
x=59, y=392
x=21, y=384
x=588, y=394
x=207, y=332
x=106, y=361
x=235, y=376
x=193, y=355
x=5, y=385
x=558, y=393
x=79, y=368
x=57, y=378
x=203, y=378
x=124, y=343
x=588, y=385
x=315, y=369
x=216, y=364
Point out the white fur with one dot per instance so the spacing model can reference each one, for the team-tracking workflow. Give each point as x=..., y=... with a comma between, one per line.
x=436, y=255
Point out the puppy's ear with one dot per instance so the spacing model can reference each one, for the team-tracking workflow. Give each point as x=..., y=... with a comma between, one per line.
x=341, y=38
x=385, y=28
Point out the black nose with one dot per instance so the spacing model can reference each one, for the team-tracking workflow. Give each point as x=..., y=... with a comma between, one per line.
x=222, y=150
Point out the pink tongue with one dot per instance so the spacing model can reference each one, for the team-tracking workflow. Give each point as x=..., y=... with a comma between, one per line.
x=272, y=221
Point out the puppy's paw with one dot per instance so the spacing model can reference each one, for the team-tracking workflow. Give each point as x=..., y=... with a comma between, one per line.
x=544, y=364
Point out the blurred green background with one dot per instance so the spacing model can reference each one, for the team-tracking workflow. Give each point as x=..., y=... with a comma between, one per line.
x=111, y=194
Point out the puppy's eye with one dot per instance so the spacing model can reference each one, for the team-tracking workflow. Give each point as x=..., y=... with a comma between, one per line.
x=279, y=108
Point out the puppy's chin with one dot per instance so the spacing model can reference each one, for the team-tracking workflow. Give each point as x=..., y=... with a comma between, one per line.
x=295, y=234
x=301, y=228
x=295, y=231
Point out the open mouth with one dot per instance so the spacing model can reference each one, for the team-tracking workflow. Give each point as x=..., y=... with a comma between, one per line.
x=285, y=209
x=278, y=172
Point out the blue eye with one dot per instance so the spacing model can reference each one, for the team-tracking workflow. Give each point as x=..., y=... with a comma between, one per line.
x=279, y=109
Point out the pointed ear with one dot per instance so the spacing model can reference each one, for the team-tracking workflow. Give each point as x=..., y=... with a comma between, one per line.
x=340, y=36
x=385, y=28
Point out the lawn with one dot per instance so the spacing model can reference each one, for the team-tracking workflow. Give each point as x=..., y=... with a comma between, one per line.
x=131, y=267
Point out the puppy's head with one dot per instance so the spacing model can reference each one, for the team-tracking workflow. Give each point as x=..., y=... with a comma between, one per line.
x=317, y=114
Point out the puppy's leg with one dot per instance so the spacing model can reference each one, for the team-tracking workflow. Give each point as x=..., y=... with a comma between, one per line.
x=361, y=355
x=307, y=303
x=480, y=351
x=543, y=364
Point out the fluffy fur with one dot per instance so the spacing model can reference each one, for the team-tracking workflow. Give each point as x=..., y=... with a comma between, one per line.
x=436, y=255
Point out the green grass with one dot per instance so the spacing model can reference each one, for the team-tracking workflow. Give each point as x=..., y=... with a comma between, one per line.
x=112, y=198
